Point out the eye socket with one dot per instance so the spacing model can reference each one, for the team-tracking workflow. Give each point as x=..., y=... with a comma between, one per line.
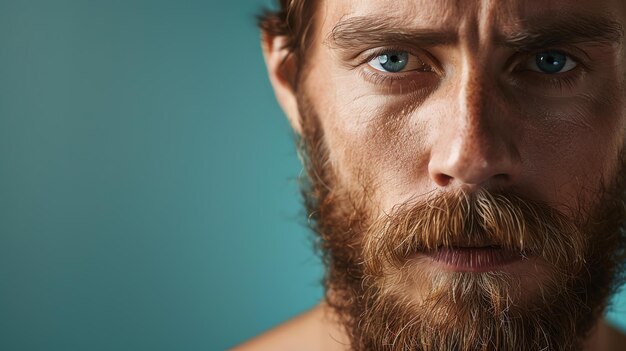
x=395, y=61
x=550, y=62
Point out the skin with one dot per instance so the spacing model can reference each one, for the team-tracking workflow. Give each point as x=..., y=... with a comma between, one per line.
x=480, y=117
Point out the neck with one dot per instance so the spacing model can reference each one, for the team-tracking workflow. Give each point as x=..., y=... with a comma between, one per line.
x=604, y=337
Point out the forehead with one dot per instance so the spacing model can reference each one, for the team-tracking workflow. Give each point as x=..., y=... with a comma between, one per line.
x=481, y=15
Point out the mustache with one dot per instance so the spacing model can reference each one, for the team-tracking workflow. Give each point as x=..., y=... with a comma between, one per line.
x=474, y=219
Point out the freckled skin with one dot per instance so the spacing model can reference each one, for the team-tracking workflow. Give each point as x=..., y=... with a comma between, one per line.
x=476, y=124
x=474, y=129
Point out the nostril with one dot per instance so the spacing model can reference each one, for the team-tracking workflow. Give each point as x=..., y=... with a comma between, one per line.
x=442, y=179
x=500, y=179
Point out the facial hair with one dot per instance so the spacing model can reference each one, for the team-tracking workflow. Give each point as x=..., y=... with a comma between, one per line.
x=386, y=298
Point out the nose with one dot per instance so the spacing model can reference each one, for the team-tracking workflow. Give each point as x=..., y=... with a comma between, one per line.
x=473, y=145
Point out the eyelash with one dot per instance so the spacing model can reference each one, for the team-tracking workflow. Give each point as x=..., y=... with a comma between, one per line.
x=386, y=50
x=559, y=81
x=386, y=80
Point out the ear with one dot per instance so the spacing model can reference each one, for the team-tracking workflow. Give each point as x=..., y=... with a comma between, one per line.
x=281, y=71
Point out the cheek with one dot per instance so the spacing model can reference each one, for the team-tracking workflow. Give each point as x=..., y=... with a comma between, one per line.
x=378, y=144
x=572, y=146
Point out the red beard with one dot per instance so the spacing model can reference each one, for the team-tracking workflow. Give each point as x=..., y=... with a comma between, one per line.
x=385, y=296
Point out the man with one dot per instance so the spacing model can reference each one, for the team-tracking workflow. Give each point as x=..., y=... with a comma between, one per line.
x=464, y=164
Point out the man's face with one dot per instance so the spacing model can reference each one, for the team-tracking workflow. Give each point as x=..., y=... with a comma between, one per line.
x=509, y=115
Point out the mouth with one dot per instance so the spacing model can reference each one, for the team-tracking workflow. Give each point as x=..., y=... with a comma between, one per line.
x=475, y=258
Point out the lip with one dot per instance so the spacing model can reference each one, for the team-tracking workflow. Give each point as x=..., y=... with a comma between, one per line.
x=474, y=259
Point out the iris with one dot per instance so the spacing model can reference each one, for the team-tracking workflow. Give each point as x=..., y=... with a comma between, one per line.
x=550, y=61
x=394, y=61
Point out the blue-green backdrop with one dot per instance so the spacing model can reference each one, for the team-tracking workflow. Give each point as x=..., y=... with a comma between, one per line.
x=148, y=194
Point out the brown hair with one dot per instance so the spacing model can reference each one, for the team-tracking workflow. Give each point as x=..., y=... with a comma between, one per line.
x=293, y=19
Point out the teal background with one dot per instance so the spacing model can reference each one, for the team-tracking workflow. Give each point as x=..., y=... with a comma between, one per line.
x=148, y=194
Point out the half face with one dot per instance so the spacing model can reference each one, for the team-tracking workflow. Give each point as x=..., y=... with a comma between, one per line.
x=472, y=148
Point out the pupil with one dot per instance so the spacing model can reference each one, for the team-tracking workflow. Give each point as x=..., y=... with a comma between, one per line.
x=394, y=58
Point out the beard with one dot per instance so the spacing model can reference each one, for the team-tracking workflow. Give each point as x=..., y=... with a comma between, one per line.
x=386, y=296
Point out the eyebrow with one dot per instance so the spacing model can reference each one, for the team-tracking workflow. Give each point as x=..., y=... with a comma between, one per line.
x=543, y=32
x=356, y=32
x=533, y=33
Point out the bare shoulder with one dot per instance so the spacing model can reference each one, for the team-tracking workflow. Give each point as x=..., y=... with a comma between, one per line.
x=310, y=331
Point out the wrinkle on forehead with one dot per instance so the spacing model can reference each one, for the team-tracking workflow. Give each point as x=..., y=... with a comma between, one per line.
x=473, y=18
x=412, y=12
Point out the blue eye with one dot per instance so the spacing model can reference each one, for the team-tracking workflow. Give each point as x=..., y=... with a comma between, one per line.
x=552, y=62
x=398, y=61
x=393, y=61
